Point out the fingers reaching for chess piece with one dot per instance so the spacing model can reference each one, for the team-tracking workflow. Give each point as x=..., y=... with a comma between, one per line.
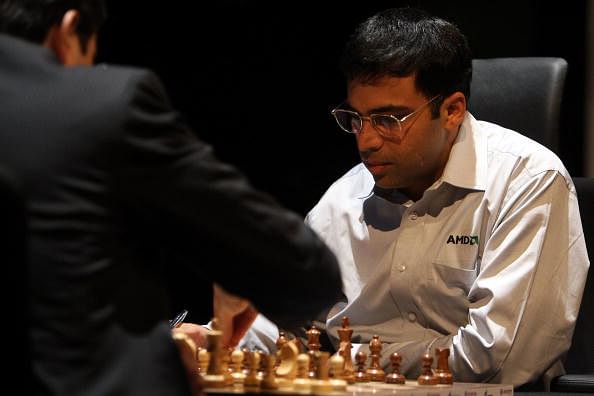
x=196, y=332
x=235, y=315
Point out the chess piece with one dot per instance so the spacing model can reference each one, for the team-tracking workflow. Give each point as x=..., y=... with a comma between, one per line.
x=344, y=349
x=236, y=369
x=442, y=372
x=313, y=344
x=245, y=364
x=427, y=377
x=361, y=375
x=203, y=358
x=302, y=384
x=395, y=377
x=375, y=371
x=287, y=370
x=252, y=380
x=336, y=367
x=269, y=380
x=322, y=383
x=214, y=377
x=280, y=341
x=225, y=360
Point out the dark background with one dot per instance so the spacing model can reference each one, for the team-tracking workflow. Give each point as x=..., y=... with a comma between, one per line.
x=257, y=79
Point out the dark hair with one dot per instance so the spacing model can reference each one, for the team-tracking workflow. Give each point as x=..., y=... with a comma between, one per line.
x=32, y=19
x=405, y=41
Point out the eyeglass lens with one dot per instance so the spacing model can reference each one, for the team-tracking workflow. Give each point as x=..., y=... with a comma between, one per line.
x=352, y=122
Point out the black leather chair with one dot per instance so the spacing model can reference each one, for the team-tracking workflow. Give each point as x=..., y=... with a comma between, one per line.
x=579, y=363
x=523, y=94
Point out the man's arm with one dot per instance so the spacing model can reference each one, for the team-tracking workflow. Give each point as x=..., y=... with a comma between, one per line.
x=211, y=217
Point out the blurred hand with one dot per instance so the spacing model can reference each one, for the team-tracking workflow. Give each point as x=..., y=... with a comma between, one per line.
x=234, y=314
x=195, y=332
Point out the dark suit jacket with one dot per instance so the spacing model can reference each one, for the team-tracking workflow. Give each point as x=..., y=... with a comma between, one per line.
x=115, y=182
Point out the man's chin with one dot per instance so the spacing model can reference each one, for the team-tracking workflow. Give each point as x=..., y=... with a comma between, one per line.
x=385, y=182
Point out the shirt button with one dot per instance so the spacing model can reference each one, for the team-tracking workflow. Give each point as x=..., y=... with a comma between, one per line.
x=412, y=316
x=401, y=268
x=413, y=216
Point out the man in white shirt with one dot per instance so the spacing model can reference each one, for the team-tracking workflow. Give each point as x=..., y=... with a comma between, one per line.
x=452, y=232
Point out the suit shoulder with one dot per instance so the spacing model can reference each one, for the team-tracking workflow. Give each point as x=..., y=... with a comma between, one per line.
x=117, y=83
x=117, y=90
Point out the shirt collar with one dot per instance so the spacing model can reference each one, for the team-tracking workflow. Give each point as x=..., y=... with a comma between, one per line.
x=467, y=164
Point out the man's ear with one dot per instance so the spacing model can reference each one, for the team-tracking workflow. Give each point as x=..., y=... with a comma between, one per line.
x=452, y=111
x=63, y=39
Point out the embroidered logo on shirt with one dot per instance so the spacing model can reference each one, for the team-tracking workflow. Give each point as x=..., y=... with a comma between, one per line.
x=463, y=239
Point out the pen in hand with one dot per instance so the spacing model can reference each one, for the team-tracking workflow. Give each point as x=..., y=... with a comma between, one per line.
x=178, y=319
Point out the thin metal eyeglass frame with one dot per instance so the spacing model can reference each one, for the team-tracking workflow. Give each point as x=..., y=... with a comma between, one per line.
x=372, y=116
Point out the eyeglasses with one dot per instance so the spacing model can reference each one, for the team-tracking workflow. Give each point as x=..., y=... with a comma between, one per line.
x=387, y=125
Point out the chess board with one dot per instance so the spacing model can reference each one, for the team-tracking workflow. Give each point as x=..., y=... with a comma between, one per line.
x=410, y=388
x=291, y=372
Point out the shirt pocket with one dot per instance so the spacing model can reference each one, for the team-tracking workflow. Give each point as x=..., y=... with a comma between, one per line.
x=456, y=280
x=455, y=268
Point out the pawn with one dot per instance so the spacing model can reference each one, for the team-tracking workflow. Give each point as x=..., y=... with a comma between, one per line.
x=235, y=366
x=336, y=366
x=282, y=340
x=262, y=366
x=322, y=383
x=375, y=371
x=442, y=372
x=395, y=377
x=245, y=365
x=427, y=377
x=252, y=380
x=214, y=377
x=225, y=361
x=269, y=380
x=302, y=383
x=361, y=375
x=203, y=358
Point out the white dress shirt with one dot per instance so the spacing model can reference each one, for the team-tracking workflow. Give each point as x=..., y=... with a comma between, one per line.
x=490, y=262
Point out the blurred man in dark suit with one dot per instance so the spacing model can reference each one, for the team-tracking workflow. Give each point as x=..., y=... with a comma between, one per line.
x=114, y=181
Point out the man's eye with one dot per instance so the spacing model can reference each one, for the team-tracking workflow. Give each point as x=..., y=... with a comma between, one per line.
x=386, y=121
